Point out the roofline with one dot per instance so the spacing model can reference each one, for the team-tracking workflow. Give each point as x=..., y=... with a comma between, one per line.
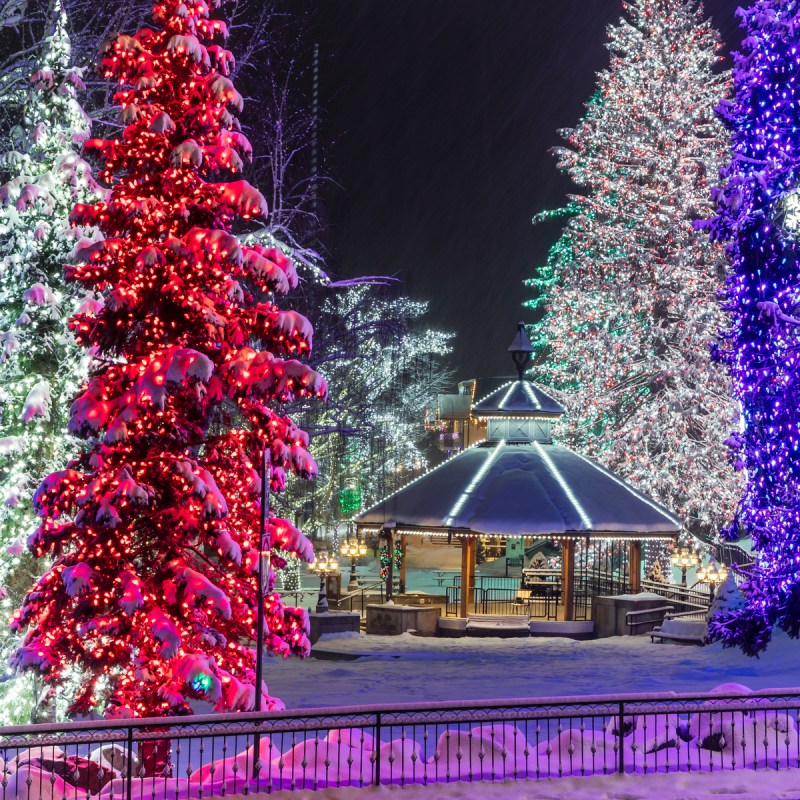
x=511, y=381
x=518, y=415
x=431, y=530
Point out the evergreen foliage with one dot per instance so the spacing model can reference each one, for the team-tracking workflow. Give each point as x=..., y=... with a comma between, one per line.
x=629, y=290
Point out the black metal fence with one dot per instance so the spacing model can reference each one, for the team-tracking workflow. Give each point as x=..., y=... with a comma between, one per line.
x=538, y=594
x=216, y=756
x=499, y=600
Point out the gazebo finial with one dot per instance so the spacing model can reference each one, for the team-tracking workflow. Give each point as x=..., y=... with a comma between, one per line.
x=521, y=349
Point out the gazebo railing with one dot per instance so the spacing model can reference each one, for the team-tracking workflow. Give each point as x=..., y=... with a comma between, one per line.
x=511, y=583
x=495, y=600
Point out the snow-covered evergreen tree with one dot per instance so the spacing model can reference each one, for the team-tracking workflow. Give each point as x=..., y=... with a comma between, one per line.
x=385, y=366
x=727, y=600
x=41, y=367
x=152, y=595
x=629, y=291
x=656, y=573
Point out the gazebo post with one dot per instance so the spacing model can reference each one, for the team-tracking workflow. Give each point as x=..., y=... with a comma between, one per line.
x=403, y=563
x=568, y=578
x=387, y=533
x=468, y=552
x=635, y=566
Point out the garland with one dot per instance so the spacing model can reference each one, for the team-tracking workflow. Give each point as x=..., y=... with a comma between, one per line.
x=384, y=557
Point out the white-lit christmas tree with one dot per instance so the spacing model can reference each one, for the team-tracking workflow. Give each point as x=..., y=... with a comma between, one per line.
x=385, y=368
x=40, y=366
x=630, y=289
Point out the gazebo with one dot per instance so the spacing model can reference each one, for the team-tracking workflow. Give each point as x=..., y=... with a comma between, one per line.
x=519, y=483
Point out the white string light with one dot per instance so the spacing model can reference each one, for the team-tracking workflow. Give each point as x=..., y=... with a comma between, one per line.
x=476, y=479
x=585, y=519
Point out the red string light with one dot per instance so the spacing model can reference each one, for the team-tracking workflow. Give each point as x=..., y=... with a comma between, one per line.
x=154, y=529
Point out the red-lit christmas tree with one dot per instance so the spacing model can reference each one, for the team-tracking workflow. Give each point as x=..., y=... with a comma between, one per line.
x=153, y=593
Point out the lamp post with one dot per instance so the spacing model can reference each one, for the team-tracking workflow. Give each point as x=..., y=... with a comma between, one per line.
x=521, y=349
x=324, y=565
x=684, y=559
x=353, y=547
x=713, y=574
x=264, y=564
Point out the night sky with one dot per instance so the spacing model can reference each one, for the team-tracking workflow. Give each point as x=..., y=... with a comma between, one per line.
x=439, y=115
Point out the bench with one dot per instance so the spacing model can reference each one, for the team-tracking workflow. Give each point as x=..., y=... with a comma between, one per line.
x=687, y=631
x=442, y=575
x=500, y=625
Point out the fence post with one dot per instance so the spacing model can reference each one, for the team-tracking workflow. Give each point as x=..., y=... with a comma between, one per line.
x=129, y=770
x=378, y=749
x=620, y=726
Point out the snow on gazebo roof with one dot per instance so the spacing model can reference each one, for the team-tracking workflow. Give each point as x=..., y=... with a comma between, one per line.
x=518, y=398
x=535, y=489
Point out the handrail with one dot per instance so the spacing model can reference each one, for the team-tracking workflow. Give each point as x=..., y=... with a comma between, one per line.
x=360, y=590
x=693, y=613
x=648, y=611
x=675, y=592
x=632, y=623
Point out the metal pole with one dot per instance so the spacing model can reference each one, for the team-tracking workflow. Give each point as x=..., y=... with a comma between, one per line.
x=314, y=130
x=264, y=559
x=322, y=600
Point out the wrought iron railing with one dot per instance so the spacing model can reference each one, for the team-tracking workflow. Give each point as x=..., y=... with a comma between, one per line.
x=213, y=756
x=733, y=554
x=504, y=601
x=686, y=602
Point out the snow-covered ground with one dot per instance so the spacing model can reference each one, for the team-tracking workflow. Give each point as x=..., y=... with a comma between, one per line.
x=387, y=670
x=406, y=668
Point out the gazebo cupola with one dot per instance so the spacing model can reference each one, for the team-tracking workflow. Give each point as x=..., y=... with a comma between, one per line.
x=518, y=412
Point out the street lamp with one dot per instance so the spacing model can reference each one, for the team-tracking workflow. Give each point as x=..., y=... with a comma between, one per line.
x=324, y=565
x=521, y=349
x=264, y=565
x=353, y=547
x=713, y=574
x=684, y=559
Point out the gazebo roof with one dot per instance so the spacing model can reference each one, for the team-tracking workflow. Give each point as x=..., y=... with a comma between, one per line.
x=529, y=489
x=517, y=398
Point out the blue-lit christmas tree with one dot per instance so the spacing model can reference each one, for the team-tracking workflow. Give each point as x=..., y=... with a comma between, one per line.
x=759, y=216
